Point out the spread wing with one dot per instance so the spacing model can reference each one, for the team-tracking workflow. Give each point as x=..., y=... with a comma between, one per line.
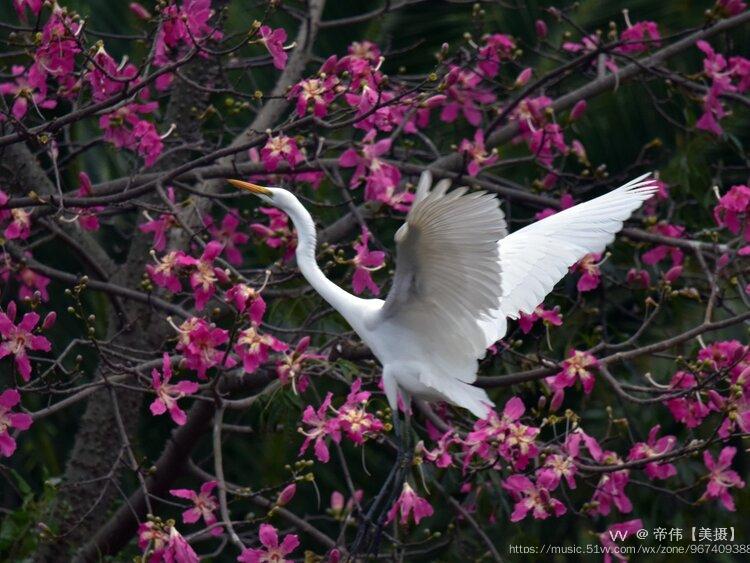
x=535, y=258
x=447, y=278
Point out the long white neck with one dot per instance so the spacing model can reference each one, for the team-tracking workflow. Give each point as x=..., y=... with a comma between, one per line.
x=344, y=302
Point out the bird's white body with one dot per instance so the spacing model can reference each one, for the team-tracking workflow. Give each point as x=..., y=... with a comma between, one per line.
x=459, y=276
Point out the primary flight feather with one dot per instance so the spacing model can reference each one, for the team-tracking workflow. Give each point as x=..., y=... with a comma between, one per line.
x=459, y=276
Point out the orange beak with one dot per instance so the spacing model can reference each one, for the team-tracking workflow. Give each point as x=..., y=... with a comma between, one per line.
x=248, y=187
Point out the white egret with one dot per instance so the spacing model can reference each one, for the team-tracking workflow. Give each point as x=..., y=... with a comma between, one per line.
x=459, y=276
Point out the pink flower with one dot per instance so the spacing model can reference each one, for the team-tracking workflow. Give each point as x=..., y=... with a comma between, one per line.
x=228, y=236
x=531, y=498
x=549, y=317
x=165, y=543
x=496, y=47
x=247, y=300
x=280, y=148
x=561, y=465
x=19, y=226
x=591, y=275
x=56, y=51
x=578, y=110
x=540, y=27
x=611, y=491
x=87, y=216
x=274, y=39
x=464, y=95
x=315, y=92
x=20, y=421
x=160, y=227
x=380, y=178
x=290, y=368
x=139, y=11
x=164, y=273
x=26, y=87
x=365, y=262
x=273, y=550
x=106, y=78
x=733, y=210
x=441, y=455
x=253, y=347
x=618, y=531
x=204, y=505
x=167, y=394
x=589, y=44
x=721, y=477
x=409, y=504
x=523, y=77
x=547, y=143
x=320, y=428
x=729, y=8
x=354, y=420
x=504, y=436
x=31, y=283
x=689, y=409
x=286, y=495
x=34, y=5
x=477, y=153
x=653, y=447
x=639, y=37
x=205, y=275
x=125, y=129
x=577, y=366
x=199, y=343
x=19, y=338
x=183, y=27
x=662, y=251
x=638, y=278
x=277, y=233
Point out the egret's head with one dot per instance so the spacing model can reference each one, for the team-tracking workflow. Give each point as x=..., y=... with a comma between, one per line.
x=278, y=197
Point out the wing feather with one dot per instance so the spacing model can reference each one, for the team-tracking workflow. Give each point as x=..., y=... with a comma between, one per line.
x=535, y=258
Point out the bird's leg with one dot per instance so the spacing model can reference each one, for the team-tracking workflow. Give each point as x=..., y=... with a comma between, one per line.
x=392, y=485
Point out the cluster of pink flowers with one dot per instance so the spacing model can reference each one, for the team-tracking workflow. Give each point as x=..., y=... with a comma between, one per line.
x=379, y=177
x=19, y=220
x=278, y=233
x=28, y=87
x=351, y=419
x=254, y=347
x=31, y=284
x=200, y=344
x=126, y=129
x=185, y=27
x=502, y=437
x=733, y=211
x=727, y=76
x=731, y=359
